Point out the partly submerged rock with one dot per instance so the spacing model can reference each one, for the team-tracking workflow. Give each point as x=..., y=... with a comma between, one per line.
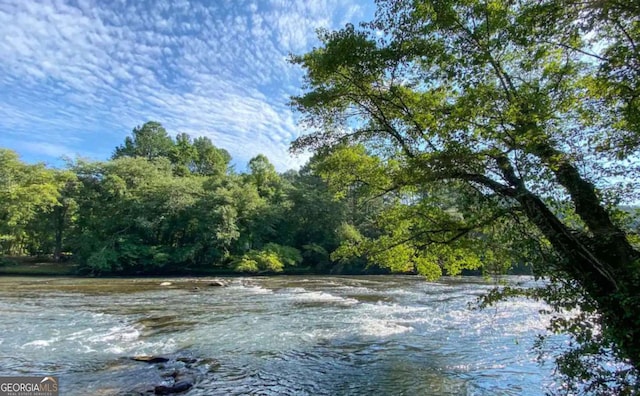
x=166, y=284
x=150, y=359
x=217, y=283
x=189, y=360
x=175, y=374
x=178, y=387
x=211, y=364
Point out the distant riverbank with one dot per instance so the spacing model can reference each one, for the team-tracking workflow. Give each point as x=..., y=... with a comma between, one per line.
x=36, y=266
x=43, y=266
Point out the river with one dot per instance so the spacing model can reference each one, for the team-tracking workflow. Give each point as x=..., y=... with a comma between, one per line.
x=303, y=335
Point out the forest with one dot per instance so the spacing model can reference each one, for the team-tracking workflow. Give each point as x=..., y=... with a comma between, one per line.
x=164, y=205
x=175, y=206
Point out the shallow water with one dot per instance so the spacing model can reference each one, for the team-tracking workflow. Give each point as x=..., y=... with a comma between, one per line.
x=383, y=335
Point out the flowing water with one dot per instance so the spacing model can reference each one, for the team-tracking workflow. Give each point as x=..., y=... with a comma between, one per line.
x=377, y=335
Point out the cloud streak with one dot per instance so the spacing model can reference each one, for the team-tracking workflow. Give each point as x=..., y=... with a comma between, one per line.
x=78, y=75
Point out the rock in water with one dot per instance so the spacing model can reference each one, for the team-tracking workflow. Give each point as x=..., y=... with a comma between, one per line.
x=166, y=284
x=217, y=283
x=178, y=387
x=150, y=359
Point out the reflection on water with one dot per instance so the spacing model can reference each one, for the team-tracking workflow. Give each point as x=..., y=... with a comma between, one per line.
x=389, y=335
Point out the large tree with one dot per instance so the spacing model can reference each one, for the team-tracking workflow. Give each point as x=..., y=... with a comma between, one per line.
x=149, y=141
x=26, y=192
x=135, y=216
x=209, y=160
x=528, y=108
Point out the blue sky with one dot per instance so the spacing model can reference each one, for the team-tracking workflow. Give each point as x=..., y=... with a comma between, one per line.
x=77, y=75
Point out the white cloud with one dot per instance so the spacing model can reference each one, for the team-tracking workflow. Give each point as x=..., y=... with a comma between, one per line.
x=87, y=72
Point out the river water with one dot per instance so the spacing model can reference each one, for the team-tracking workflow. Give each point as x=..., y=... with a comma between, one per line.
x=377, y=335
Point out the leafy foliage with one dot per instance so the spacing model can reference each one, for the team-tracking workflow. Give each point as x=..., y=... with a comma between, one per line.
x=169, y=206
x=259, y=261
x=148, y=141
x=495, y=132
x=26, y=192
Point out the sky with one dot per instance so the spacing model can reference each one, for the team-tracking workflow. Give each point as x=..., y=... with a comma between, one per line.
x=76, y=76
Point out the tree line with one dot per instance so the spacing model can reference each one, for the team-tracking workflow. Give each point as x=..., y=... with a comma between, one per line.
x=175, y=205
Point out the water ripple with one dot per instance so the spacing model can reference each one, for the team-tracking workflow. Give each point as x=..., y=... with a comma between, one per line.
x=274, y=336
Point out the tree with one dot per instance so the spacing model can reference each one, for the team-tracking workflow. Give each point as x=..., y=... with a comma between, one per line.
x=26, y=191
x=499, y=99
x=183, y=155
x=263, y=174
x=148, y=141
x=197, y=157
x=49, y=230
x=311, y=217
x=357, y=178
x=209, y=160
x=272, y=258
x=134, y=216
x=611, y=30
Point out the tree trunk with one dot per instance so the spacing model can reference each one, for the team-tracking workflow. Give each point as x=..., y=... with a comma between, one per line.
x=588, y=205
x=60, y=215
x=602, y=260
x=610, y=277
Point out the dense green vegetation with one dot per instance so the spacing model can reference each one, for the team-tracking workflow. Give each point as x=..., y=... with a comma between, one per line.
x=165, y=205
x=525, y=115
x=162, y=205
